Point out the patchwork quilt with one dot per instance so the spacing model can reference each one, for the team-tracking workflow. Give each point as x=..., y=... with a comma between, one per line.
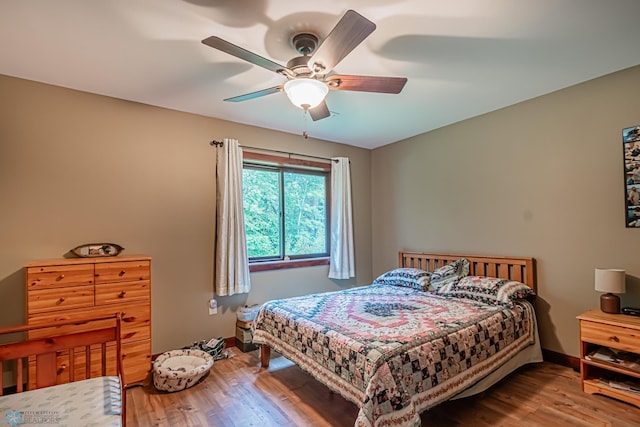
x=394, y=351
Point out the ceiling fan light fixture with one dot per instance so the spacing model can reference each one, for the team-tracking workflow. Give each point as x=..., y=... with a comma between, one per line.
x=306, y=93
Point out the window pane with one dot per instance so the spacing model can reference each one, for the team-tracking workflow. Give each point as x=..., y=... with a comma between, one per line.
x=305, y=214
x=261, y=199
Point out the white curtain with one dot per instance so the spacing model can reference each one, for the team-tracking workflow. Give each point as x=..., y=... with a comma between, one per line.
x=342, y=262
x=232, y=261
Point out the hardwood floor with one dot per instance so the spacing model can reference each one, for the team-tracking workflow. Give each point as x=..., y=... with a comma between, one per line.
x=237, y=392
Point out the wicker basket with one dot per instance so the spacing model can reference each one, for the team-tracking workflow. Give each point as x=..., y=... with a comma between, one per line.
x=176, y=370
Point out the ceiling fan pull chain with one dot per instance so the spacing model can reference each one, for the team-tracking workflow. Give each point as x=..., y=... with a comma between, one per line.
x=304, y=130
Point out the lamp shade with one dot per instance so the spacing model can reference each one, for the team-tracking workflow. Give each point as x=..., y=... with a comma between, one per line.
x=306, y=93
x=610, y=280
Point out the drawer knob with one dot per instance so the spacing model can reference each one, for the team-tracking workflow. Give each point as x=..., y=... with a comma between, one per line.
x=122, y=294
x=61, y=300
x=122, y=272
x=62, y=368
x=60, y=277
x=614, y=339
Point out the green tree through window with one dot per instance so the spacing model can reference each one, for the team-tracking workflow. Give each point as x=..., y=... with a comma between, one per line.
x=286, y=212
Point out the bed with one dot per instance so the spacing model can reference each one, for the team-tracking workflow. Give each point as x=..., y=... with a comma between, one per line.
x=436, y=328
x=91, y=397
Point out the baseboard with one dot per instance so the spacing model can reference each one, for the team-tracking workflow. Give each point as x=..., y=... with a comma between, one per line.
x=561, y=359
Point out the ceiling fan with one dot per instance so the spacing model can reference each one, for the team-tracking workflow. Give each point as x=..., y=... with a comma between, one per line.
x=308, y=76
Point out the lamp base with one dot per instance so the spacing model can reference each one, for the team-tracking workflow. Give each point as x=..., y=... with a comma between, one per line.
x=610, y=303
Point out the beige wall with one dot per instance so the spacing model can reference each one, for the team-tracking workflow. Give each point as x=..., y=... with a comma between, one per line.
x=78, y=168
x=543, y=178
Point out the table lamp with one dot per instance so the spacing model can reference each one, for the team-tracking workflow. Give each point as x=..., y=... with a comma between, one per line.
x=612, y=282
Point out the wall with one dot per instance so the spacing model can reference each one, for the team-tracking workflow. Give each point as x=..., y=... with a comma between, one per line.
x=78, y=168
x=543, y=178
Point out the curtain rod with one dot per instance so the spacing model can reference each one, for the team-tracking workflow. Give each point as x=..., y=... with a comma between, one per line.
x=220, y=144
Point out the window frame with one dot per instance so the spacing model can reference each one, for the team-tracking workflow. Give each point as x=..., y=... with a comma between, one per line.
x=292, y=164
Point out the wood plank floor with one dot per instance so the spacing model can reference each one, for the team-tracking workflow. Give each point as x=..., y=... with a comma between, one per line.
x=237, y=392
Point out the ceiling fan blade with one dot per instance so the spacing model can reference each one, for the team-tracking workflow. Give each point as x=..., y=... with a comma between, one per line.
x=321, y=111
x=257, y=94
x=345, y=36
x=366, y=83
x=238, y=52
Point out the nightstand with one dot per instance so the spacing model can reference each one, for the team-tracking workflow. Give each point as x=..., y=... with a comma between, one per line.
x=603, y=369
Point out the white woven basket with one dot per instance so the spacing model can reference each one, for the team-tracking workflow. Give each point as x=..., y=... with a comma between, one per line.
x=176, y=370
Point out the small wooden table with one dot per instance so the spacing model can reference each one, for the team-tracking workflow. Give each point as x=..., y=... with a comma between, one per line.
x=603, y=334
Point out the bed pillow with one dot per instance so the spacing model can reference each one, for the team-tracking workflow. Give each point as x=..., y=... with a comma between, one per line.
x=449, y=273
x=489, y=290
x=407, y=277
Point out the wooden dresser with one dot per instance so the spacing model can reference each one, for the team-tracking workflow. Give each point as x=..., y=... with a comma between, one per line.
x=68, y=289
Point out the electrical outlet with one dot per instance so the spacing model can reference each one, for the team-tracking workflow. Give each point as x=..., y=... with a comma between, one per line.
x=213, y=307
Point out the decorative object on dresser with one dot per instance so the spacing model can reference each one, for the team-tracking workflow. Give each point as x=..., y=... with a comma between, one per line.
x=611, y=281
x=610, y=355
x=92, y=250
x=62, y=290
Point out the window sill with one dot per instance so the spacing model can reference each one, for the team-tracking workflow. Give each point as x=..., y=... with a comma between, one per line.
x=281, y=265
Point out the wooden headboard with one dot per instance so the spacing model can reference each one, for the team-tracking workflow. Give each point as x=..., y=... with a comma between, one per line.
x=521, y=269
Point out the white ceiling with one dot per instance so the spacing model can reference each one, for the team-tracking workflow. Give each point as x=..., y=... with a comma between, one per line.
x=462, y=58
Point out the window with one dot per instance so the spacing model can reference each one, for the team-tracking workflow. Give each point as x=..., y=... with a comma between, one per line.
x=286, y=209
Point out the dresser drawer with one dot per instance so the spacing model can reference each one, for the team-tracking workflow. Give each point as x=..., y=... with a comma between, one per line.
x=613, y=336
x=44, y=300
x=136, y=320
x=115, y=293
x=136, y=361
x=59, y=276
x=126, y=271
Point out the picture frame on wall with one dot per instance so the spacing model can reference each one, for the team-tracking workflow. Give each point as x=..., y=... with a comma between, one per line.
x=631, y=144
